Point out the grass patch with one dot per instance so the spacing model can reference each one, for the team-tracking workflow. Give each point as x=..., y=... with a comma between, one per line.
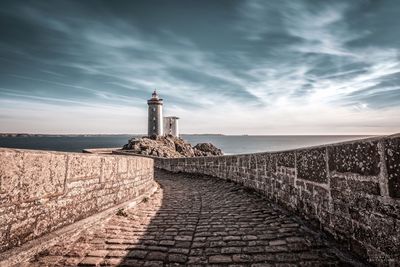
x=121, y=212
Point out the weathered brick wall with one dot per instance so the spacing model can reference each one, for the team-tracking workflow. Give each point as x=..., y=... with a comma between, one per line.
x=43, y=191
x=351, y=190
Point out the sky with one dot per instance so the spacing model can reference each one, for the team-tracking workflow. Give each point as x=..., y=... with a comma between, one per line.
x=227, y=66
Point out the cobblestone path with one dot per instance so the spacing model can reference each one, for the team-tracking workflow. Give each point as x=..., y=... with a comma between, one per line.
x=196, y=220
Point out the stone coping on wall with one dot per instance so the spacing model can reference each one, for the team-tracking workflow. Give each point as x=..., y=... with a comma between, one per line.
x=99, y=150
x=129, y=153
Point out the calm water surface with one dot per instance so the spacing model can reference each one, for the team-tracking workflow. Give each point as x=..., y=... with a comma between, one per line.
x=229, y=144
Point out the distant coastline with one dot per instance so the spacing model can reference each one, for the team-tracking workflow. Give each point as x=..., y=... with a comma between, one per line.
x=205, y=134
x=86, y=135
x=230, y=144
x=59, y=135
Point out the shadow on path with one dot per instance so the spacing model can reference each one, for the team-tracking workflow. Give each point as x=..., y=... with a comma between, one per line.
x=198, y=220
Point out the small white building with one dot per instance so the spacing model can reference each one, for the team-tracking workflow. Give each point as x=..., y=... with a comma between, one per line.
x=171, y=126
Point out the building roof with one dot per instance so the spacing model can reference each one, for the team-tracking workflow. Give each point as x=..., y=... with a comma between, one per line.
x=172, y=117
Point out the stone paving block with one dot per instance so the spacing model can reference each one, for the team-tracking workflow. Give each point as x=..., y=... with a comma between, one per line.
x=249, y=237
x=183, y=238
x=180, y=258
x=217, y=244
x=71, y=261
x=156, y=255
x=91, y=261
x=112, y=262
x=117, y=253
x=182, y=244
x=279, y=242
x=199, y=245
x=138, y=254
x=242, y=258
x=98, y=253
x=262, y=265
x=220, y=259
x=51, y=260
x=156, y=248
x=197, y=260
x=255, y=249
x=231, y=238
x=231, y=250
x=270, y=257
x=151, y=264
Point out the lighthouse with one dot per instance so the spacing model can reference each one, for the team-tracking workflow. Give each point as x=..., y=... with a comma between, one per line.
x=155, y=119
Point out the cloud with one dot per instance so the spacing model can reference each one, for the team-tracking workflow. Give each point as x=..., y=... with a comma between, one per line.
x=259, y=67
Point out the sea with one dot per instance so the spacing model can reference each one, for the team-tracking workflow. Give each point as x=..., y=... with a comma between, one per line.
x=230, y=144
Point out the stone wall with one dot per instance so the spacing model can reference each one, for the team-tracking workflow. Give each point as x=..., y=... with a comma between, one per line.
x=350, y=190
x=43, y=191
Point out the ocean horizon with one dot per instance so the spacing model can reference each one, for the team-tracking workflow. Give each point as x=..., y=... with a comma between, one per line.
x=230, y=144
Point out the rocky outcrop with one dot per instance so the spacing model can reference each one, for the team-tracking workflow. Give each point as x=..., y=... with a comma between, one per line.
x=207, y=149
x=170, y=147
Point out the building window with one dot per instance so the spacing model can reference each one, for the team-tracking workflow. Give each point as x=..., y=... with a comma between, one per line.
x=154, y=118
x=154, y=109
x=154, y=127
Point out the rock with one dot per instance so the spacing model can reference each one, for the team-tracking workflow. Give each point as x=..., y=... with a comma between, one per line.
x=184, y=148
x=208, y=149
x=170, y=147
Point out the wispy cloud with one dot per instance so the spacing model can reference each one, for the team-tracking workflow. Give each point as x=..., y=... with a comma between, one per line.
x=261, y=67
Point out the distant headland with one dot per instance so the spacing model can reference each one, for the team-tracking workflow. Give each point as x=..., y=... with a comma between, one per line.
x=56, y=135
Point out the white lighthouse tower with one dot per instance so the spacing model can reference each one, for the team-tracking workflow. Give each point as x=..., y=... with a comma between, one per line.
x=155, y=119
